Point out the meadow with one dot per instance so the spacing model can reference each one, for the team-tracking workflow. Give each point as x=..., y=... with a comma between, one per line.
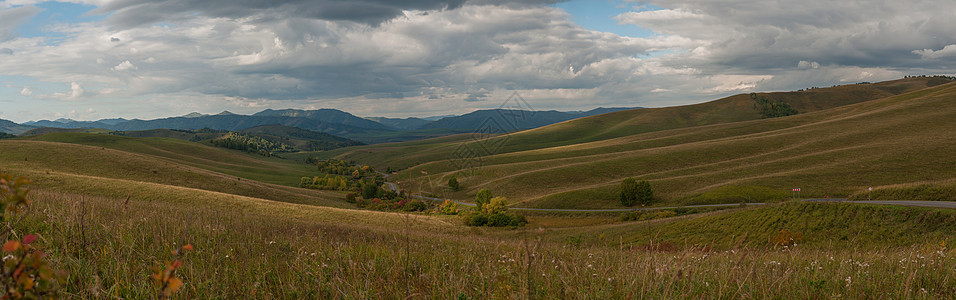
x=266, y=249
x=111, y=211
x=828, y=152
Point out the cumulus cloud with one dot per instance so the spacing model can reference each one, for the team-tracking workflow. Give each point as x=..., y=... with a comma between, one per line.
x=948, y=51
x=125, y=66
x=76, y=91
x=26, y=91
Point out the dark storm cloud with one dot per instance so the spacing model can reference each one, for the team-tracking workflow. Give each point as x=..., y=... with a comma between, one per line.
x=131, y=13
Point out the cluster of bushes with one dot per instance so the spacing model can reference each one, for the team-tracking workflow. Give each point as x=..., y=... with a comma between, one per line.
x=339, y=167
x=932, y=76
x=771, y=109
x=327, y=182
x=375, y=197
x=252, y=144
x=397, y=204
x=492, y=211
x=4, y=135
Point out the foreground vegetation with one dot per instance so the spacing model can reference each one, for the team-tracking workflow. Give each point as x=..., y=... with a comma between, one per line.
x=109, y=246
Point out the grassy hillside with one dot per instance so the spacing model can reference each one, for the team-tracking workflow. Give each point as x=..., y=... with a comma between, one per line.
x=828, y=152
x=816, y=225
x=110, y=172
x=631, y=122
x=236, y=163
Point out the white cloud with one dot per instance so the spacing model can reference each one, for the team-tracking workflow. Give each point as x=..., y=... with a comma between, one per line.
x=948, y=51
x=125, y=66
x=76, y=91
x=26, y=91
x=808, y=64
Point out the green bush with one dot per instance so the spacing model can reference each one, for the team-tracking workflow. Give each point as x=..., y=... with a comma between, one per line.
x=415, y=205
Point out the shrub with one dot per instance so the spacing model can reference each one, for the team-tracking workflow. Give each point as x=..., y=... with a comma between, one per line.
x=497, y=205
x=629, y=192
x=476, y=219
x=483, y=197
x=453, y=184
x=370, y=191
x=644, y=193
x=499, y=220
x=415, y=205
x=449, y=208
x=350, y=198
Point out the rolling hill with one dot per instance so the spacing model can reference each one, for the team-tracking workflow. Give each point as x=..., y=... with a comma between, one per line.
x=509, y=120
x=13, y=128
x=846, y=139
x=296, y=138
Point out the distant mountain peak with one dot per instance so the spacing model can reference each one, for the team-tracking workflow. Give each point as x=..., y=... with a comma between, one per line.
x=193, y=115
x=64, y=120
x=226, y=113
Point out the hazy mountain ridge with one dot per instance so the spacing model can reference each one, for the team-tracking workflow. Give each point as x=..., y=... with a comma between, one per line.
x=330, y=121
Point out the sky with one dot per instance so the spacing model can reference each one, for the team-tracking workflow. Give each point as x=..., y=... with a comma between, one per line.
x=94, y=59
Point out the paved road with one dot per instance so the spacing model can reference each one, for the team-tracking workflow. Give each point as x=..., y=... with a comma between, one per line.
x=937, y=204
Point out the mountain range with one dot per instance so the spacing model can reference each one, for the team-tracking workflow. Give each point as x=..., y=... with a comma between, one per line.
x=331, y=121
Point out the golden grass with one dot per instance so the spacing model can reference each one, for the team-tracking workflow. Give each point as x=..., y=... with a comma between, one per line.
x=279, y=250
x=828, y=153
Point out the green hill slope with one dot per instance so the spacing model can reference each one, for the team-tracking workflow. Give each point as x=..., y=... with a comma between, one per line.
x=829, y=152
x=638, y=121
x=72, y=166
x=235, y=163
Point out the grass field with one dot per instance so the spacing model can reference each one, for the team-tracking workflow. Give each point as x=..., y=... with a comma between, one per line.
x=840, y=149
x=251, y=248
x=108, y=209
x=109, y=172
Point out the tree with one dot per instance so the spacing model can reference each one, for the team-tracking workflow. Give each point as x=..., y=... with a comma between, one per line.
x=483, y=197
x=629, y=191
x=369, y=191
x=453, y=184
x=496, y=205
x=644, y=193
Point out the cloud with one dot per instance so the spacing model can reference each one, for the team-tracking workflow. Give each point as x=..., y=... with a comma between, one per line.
x=124, y=66
x=133, y=13
x=76, y=91
x=808, y=64
x=10, y=18
x=948, y=51
x=744, y=36
x=438, y=57
x=6, y=51
x=26, y=91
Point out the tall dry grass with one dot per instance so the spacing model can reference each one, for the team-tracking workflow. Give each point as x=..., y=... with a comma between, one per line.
x=109, y=246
